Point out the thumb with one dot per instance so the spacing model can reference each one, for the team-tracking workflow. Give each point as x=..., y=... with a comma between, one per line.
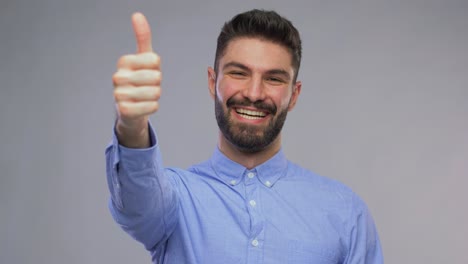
x=142, y=33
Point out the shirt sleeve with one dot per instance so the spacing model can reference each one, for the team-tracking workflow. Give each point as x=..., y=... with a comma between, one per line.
x=143, y=199
x=364, y=244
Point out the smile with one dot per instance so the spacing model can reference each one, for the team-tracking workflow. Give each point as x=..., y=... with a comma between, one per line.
x=250, y=114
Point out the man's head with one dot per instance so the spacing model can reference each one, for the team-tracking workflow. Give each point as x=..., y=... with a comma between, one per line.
x=260, y=24
x=254, y=80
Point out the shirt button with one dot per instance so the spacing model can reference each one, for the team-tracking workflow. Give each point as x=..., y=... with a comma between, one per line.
x=233, y=182
x=255, y=242
x=250, y=175
x=268, y=183
x=252, y=203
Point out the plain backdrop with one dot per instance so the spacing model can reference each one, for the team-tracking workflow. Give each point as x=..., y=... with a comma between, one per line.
x=383, y=109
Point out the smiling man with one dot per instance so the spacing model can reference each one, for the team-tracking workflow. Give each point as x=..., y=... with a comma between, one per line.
x=247, y=203
x=253, y=90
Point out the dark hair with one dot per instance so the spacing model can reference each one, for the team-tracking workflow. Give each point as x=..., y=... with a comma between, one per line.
x=267, y=25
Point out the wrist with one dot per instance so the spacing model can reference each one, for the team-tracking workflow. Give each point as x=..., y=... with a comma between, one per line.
x=134, y=133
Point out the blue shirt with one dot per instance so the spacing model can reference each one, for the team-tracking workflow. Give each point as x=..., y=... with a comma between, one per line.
x=220, y=212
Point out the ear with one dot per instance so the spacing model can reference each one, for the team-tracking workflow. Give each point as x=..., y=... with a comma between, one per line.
x=295, y=95
x=211, y=81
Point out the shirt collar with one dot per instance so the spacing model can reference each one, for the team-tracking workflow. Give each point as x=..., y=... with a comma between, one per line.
x=232, y=172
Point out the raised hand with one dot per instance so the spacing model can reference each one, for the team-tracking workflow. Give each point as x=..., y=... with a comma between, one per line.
x=137, y=87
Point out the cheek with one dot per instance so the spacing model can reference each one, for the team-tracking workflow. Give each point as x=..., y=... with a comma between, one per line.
x=282, y=99
x=225, y=89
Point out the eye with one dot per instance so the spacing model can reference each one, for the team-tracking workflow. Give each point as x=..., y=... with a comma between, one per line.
x=275, y=80
x=237, y=74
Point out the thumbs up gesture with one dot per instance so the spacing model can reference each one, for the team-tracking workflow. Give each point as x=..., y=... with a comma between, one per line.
x=137, y=87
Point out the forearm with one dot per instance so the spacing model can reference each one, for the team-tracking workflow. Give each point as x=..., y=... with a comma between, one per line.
x=144, y=201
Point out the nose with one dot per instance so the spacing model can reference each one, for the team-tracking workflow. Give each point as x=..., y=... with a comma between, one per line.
x=255, y=90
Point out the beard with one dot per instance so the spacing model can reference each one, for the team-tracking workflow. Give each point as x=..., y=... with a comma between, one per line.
x=249, y=138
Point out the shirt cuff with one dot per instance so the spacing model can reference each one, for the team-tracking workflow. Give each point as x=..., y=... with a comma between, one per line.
x=120, y=150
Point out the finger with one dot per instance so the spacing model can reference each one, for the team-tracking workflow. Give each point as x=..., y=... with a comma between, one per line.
x=139, y=61
x=145, y=77
x=137, y=94
x=125, y=77
x=137, y=109
x=121, y=77
x=142, y=33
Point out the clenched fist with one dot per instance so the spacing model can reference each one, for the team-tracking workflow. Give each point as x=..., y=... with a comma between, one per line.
x=137, y=87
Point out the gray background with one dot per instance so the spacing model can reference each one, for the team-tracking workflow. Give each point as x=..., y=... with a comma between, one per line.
x=383, y=109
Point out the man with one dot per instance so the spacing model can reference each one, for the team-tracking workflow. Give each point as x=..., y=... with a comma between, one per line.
x=247, y=203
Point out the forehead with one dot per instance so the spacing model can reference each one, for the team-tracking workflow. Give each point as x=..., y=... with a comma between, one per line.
x=257, y=54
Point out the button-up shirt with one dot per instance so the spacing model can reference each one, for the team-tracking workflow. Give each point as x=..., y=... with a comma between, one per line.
x=221, y=212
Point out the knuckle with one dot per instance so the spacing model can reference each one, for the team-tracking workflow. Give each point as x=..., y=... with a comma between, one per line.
x=156, y=59
x=121, y=62
x=154, y=107
x=125, y=110
x=152, y=60
x=156, y=77
x=119, y=78
x=124, y=61
x=119, y=95
x=115, y=79
x=116, y=96
x=156, y=93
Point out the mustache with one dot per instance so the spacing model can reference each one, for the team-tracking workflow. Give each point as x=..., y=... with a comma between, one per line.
x=260, y=105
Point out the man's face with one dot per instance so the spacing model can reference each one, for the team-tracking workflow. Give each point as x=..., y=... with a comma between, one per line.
x=253, y=92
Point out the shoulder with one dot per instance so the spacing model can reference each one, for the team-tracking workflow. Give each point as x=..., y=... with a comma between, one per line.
x=298, y=174
x=195, y=172
x=328, y=191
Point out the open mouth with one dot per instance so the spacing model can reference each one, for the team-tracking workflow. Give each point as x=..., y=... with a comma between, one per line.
x=250, y=114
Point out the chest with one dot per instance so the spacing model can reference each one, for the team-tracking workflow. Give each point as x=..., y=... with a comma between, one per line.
x=253, y=223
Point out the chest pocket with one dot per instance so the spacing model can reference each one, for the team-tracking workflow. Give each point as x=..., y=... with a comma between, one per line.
x=309, y=252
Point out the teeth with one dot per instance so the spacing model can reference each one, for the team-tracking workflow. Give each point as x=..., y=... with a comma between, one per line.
x=249, y=114
x=250, y=117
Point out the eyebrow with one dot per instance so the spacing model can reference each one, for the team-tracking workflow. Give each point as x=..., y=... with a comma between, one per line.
x=244, y=67
x=236, y=65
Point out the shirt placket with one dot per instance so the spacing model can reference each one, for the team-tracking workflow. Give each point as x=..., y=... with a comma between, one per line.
x=256, y=239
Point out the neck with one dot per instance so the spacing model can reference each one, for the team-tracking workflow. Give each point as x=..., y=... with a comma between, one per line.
x=247, y=159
